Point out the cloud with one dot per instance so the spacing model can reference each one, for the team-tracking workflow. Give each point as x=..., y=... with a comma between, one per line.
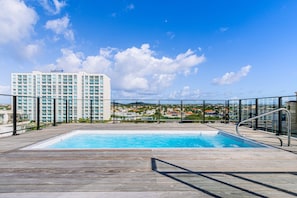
x=70, y=61
x=123, y=11
x=170, y=35
x=196, y=70
x=61, y=27
x=131, y=70
x=232, y=77
x=224, y=29
x=96, y=64
x=4, y=89
x=141, y=63
x=130, y=7
x=30, y=51
x=16, y=21
x=54, y=6
x=186, y=93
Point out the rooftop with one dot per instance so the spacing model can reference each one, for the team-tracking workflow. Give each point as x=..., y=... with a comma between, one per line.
x=265, y=172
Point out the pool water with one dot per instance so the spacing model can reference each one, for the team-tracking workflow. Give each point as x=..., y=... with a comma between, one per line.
x=146, y=139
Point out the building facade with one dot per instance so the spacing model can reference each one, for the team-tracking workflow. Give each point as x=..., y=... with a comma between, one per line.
x=77, y=95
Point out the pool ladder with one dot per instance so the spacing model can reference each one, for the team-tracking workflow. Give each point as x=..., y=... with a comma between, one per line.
x=268, y=113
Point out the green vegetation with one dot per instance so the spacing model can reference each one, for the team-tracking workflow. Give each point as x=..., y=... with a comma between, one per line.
x=142, y=112
x=5, y=107
x=194, y=117
x=84, y=120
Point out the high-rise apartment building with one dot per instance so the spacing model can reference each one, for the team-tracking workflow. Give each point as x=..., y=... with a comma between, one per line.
x=78, y=95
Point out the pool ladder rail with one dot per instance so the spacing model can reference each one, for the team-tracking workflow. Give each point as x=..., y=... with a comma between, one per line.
x=268, y=113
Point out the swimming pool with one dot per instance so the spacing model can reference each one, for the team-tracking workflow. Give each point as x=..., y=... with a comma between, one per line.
x=122, y=139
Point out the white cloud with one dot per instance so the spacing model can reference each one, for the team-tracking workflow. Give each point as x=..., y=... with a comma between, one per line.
x=163, y=79
x=61, y=27
x=160, y=72
x=4, y=89
x=107, y=52
x=224, y=29
x=130, y=7
x=170, y=35
x=187, y=72
x=196, y=70
x=31, y=50
x=70, y=61
x=186, y=92
x=232, y=77
x=134, y=82
x=96, y=64
x=124, y=10
x=54, y=6
x=133, y=69
x=16, y=21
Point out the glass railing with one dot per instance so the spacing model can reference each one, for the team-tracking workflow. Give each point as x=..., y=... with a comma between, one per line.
x=23, y=113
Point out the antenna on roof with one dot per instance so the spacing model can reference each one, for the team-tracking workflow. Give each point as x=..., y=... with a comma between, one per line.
x=57, y=70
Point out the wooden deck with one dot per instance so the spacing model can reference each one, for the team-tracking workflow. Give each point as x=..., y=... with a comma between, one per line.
x=263, y=172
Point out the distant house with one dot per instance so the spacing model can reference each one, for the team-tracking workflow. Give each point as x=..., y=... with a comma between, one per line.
x=209, y=112
x=189, y=113
x=6, y=116
x=173, y=113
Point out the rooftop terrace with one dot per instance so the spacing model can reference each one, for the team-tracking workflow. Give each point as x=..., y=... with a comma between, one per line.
x=265, y=172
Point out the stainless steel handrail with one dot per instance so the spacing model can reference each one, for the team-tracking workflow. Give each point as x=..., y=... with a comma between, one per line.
x=270, y=112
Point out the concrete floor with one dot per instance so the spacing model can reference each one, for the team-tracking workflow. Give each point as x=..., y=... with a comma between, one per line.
x=260, y=172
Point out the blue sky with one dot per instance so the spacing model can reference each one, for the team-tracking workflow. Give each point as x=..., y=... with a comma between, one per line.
x=190, y=49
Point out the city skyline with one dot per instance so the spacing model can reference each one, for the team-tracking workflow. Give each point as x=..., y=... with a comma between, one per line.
x=156, y=49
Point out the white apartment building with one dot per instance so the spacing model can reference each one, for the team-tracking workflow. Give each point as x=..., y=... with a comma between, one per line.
x=82, y=92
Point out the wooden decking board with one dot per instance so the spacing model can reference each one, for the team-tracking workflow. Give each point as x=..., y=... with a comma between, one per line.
x=268, y=172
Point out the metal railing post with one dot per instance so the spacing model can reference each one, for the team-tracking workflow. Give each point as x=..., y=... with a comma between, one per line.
x=54, y=103
x=239, y=111
x=203, y=119
x=159, y=114
x=181, y=111
x=66, y=111
x=227, y=111
x=256, y=113
x=113, y=117
x=279, y=131
x=14, y=115
x=38, y=114
x=91, y=111
x=135, y=114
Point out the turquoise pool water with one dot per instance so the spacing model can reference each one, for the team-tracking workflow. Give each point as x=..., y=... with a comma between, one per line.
x=147, y=139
